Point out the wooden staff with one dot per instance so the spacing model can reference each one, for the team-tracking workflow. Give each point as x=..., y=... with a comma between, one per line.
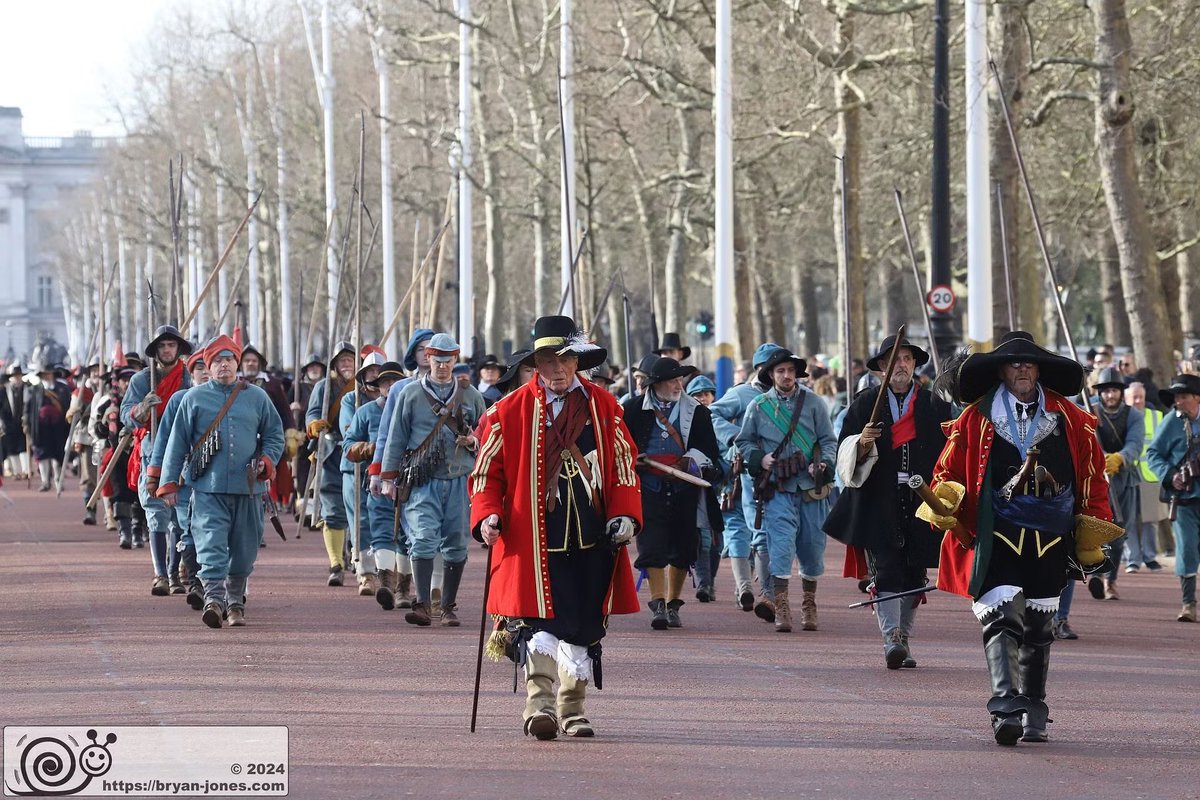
x=435, y=295
x=216, y=270
x=487, y=586
x=413, y=285
x=921, y=299
x=887, y=377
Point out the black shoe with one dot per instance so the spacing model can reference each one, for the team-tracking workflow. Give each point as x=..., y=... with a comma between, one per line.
x=1036, y=719
x=1153, y=566
x=746, y=600
x=89, y=520
x=704, y=594
x=214, y=615
x=673, y=620
x=335, y=577
x=125, y=543
x=1007, y=729
x=909, y=663
x=895, y=652
x=195, y=597
x=1095, y=586
x=658, y=608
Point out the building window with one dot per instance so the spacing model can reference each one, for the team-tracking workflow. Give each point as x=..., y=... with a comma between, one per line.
x=45, y=292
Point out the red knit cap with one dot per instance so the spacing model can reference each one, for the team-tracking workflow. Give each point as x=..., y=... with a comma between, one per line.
x=219, y=344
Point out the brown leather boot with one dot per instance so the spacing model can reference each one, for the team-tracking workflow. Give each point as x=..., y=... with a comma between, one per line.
x=783, y=609
x=808, y=606
x=385, y=595
x=419, y=615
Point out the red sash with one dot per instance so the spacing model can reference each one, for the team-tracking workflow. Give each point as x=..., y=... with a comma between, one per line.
x=168, y=385
x=904, y=430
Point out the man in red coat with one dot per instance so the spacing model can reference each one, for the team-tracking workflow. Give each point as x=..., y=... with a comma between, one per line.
x=554, y=492
x=1025, y=463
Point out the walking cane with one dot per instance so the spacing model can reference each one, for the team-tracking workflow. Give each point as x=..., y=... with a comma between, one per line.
x=487, y=585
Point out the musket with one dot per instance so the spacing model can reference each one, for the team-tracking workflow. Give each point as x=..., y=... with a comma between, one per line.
x=1041, y=234
x=122, y=443
x=884, y=597
x=917, y=484
x=174, y=204
x=645, y=461
x=922, y=301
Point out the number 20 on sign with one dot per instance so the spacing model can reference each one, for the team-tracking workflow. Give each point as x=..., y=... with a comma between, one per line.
x=941, y=298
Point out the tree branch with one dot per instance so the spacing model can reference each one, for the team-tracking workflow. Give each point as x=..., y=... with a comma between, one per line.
x=1050, y=100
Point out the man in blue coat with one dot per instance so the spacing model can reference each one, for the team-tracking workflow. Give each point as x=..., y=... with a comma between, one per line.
x=139, y=408
x=431, y=450
x=326, y=434
x=1174, y=455
x=225, y=442
x=381, y=536
x=793, y=471
x=1122, y=434
x=354, y=481
x=742, y=541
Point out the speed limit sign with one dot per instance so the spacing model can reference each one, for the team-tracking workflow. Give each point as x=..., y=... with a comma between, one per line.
x=941, y=298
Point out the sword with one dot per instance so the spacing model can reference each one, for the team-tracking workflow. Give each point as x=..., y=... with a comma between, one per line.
x=881, y=598
x=686, y=477
x=273, y=514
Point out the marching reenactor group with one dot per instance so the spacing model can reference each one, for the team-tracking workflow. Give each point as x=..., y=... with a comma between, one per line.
x=994, y=476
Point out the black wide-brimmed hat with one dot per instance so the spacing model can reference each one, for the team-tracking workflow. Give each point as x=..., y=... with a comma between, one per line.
x=489, y=360
x=262, y=359
x=979, y=373
x=878, y=362
x=388, y=371
x=513, y=367
x=646, y=364
x=671, y=341
x=1109, y=378
x=135, y=360
x=665, y=369
x=779, y=357
x=1180, y=384
x=168, y=332
x=560, y=335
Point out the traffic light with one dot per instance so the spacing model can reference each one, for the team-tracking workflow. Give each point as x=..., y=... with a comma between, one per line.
x=704, y=325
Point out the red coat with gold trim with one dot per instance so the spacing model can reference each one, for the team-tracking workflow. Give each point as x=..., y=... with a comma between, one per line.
x=509, y=480
x=964, y=460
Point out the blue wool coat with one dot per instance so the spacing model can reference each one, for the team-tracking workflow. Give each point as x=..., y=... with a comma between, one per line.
x=250, y=428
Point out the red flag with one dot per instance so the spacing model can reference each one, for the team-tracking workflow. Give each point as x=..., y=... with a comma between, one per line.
x=118, y=359
x=237, y=336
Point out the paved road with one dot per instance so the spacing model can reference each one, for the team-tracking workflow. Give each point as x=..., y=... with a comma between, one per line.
x=722, y=708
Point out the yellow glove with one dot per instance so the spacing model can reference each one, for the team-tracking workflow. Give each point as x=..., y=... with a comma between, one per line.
x=360, y=451
x=951, y=494
x=316, y=428
x=292, y=439
x=1113, y=463
x=71, y=412
x=1091, y=534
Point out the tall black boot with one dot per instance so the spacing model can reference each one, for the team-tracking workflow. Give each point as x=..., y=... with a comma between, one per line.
x=1034, y=661
x=423, y=577
x=1002, y=634
x=452, y=572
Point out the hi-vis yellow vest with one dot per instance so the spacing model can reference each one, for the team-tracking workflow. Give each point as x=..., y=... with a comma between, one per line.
x=1152, y=419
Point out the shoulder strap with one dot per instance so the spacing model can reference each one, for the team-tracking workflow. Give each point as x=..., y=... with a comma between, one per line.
x=792, y=432
x=217, y=419
x=671, y=429
x=787, y=437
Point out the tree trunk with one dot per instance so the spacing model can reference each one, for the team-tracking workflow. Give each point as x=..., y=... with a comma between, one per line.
x=1011, y=54
x=848, y=145
x=743, y=287
x=810, y=313
x=1116, y=149
x=1189, y=280
x=1116, y=319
